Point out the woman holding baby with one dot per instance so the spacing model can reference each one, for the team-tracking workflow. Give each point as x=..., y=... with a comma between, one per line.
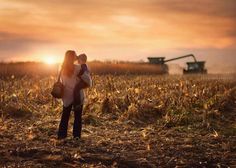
x=74, y=77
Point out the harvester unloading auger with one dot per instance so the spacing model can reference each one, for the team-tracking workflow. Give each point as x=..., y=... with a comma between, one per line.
x=192, y=67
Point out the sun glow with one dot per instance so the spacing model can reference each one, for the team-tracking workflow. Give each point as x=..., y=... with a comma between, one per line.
x=49, y=60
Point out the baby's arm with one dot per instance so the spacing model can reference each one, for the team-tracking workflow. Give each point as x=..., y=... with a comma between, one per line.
x=83, y=69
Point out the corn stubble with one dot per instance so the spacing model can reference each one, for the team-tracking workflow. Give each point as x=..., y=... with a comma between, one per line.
x=129, y=120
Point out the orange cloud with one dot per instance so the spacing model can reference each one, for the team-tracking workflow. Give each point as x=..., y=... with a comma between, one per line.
x=125, y=29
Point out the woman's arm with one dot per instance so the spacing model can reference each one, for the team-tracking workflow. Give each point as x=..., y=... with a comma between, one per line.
x=77, y=69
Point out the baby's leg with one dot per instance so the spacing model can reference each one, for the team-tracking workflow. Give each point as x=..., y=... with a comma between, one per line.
x=82, y=84
x=77, y=94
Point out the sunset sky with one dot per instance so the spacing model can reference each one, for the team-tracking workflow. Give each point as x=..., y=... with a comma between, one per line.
x=120, y=30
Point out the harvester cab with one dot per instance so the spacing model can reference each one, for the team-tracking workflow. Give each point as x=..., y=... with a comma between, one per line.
x=192, y=67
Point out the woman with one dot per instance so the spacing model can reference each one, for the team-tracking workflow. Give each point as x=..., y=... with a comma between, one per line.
x=69, y=79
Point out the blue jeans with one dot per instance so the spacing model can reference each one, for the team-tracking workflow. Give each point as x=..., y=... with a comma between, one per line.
x=77, y=127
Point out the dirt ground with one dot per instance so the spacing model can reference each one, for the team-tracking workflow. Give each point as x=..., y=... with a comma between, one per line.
x=30, y=141
x=128, y=121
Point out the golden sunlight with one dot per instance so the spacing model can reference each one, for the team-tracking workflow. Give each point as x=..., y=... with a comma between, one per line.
x=50, y=60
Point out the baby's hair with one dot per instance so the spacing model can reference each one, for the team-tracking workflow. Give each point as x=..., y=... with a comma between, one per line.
x=83, y=57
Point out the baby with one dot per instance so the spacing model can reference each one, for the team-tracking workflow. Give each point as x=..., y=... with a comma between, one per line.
x=82, y=59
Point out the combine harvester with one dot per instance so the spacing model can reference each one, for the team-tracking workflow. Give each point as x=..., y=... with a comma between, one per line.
x=195, y=67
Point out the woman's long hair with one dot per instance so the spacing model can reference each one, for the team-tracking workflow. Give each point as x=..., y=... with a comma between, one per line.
x=68, y=63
